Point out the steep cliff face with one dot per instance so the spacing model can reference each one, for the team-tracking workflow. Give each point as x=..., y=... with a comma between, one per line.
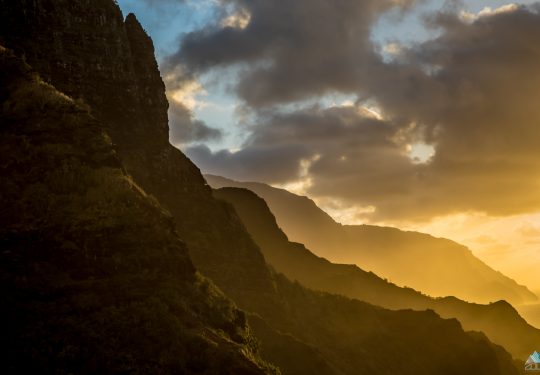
x=86, y=50
x=93, y=277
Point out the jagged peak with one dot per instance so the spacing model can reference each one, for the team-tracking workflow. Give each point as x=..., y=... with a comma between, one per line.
x=133, y=22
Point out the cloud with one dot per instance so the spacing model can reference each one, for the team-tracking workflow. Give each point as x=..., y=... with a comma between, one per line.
x=530, y=230
x=484, y=240
x=184, y=128
x=471, y=93
x=255, y=163
x=183, y=93
x=488, y=11
x=474, y=91
x=342, y=149
x=289, y=49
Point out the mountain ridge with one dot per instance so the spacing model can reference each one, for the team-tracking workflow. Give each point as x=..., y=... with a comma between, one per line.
x=499, y=320
x=383, y=250
x=93, y=275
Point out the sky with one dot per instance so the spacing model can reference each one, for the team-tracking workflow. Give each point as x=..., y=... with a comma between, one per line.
x=420, y=114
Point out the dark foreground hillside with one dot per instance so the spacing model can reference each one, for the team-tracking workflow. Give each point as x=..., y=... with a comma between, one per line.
x=94, y=278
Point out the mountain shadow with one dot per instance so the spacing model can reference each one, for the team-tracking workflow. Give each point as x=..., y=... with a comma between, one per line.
x=431, y=262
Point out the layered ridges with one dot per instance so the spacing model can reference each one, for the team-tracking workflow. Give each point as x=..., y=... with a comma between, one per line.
x=431, y=262
x=500, y=321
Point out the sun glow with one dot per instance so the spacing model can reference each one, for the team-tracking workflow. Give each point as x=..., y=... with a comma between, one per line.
x=304, y=182
x=420, y=153
x=189, y=94
x=505, y=243
x=237, y=20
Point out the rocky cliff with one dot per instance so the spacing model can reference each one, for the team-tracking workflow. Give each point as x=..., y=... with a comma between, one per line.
x=93, y=277
x=86, y=50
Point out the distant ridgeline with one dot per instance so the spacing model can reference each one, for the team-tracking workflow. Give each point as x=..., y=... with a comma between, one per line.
x=500, y=321
x=104, y=223
x=431, y=262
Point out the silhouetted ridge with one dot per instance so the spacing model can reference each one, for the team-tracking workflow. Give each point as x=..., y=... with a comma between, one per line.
x=384, y=250
x=499, y=320
x=94, y=278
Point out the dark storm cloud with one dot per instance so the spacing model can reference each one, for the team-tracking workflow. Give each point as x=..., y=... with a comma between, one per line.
x=251, y=163
x=184, y=128
x=472, y=93
x=290, y=49
x=475, y=92
x=332, y=141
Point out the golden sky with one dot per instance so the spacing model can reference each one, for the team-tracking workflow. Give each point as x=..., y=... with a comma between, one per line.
x=508, y=244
